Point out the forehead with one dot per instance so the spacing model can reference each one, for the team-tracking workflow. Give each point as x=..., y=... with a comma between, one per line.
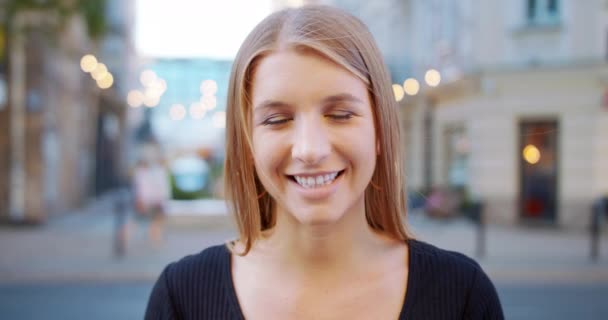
x=302, y=77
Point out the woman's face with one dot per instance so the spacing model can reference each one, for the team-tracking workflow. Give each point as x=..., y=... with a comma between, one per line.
x=313, y=136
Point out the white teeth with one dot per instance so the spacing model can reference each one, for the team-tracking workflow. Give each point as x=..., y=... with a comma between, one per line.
x=320, y=180
x=311, y=181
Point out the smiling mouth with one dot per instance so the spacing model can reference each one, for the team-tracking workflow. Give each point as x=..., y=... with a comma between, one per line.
x=315, y=181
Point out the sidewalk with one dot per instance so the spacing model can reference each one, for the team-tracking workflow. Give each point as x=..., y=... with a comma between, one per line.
x=78, y=247
x=518, y=254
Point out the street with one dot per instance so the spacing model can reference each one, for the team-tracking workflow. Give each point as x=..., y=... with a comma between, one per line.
x=128, y=301
x=66, y=269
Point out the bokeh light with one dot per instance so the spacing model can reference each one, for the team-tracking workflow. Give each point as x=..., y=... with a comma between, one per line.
x=209, y=102
x=99, y=71
x=147, y=78
x=162, y=85
x=531, y=154
x=398, y=91
x=88, y=63
x=432, y=77
x=411, y=86
x=197, y=111
x=208, y=87
x=153, y=92
x=177, y=112
x=106, y=81
x=135, y=98
x=151, y=101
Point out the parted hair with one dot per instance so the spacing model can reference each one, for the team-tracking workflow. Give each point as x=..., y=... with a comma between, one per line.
x=345, y=40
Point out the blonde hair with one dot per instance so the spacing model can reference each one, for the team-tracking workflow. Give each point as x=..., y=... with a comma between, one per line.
x=346, y=41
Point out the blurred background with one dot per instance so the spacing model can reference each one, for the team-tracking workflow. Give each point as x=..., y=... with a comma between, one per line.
x=504, y=106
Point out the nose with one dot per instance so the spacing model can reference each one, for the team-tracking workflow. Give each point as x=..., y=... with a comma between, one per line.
x=311, y=143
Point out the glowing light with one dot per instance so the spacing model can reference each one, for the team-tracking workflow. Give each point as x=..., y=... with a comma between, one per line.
x=531, y=154
x=219, y=119
x=135, y=98
x=106, y=81
x=177, y=112
x=398, y=91
x=152, y=92
x=147, y=78
x=162, y=85
x=208, y=87
x=151, y=101
x=197, y=111
x=88, y=63
x=159, y=86
x=209, y=102
x=99, y=71
x=411, y=86
x=432, y=77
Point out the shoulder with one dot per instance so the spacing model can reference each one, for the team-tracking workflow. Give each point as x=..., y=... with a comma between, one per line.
x=211, y=260
x=192, y=284
x=203, y=274
x=443, y=260
x=436, y=272
x=444, y=267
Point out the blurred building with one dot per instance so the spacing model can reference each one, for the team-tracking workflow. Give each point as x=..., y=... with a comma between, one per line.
x=184, y=103
x=51, y=122
x=520, y=117
x=114, y=137
x=4, y=156
x=197, y=86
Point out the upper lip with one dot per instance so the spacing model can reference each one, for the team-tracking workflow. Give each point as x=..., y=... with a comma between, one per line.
x=313, y=174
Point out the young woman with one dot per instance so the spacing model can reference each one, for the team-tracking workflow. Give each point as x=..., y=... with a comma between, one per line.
x=315, y=180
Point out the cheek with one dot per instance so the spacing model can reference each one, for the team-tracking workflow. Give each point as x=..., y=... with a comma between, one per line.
x=263, y=171
x=365, y=143
x=266, y=159
x=368, y=149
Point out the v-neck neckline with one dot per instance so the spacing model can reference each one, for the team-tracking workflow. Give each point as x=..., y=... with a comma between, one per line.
x=407, y=299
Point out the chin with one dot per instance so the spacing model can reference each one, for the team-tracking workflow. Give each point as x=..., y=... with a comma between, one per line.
x=317, y=216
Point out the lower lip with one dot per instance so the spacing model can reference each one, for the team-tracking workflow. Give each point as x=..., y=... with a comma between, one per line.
x=318, y=193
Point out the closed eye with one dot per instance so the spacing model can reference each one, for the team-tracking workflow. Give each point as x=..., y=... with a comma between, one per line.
x=275, y=120
x=340, y=116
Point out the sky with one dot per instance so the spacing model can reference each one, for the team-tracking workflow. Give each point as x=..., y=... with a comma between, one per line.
x=195, y=28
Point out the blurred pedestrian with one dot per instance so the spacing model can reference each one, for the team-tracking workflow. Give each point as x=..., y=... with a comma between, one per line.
x=151, y=191
x=314, y=177
x=443, y=203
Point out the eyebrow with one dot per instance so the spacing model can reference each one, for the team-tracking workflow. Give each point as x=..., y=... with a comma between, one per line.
x=342, y=97
x=270, y=104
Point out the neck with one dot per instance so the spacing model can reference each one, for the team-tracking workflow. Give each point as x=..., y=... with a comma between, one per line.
x=324, y=248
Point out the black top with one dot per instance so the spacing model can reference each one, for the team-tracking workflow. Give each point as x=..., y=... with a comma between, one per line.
x=441, y=285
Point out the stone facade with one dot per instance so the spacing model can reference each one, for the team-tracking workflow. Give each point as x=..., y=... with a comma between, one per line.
x=490, y=117
x=517, y=69
x=48, y=151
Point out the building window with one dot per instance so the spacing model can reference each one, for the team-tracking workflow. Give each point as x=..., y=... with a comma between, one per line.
x=457, y=157
x=540, y=12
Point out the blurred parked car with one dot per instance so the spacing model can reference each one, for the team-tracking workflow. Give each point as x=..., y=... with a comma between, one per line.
x=189, y=177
